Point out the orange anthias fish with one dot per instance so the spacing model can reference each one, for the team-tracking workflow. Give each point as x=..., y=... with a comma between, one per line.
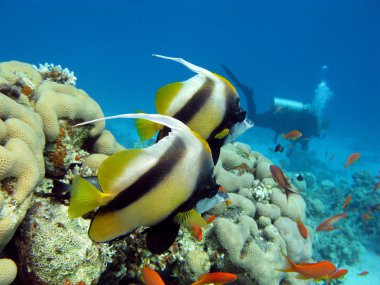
x=363, y=273
x=210, y=219
x=278, y=175
x=318, y=270
x=302, y=229
x=377, y=186
x=339, y=274
x=367, y=216
x=292, y=135
x=151, y=277
x=328, y=224
x=197, y=230
x=348, y=199
x=218, y=278
x=352, y=159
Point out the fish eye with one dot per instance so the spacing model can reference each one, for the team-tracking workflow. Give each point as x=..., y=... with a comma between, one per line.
x=212, y=192
x=240, y=115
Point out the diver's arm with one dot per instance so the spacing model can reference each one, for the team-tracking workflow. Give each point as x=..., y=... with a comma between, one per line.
x=247, y=91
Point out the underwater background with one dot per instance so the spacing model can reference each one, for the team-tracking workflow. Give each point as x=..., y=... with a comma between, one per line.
x=280, y=48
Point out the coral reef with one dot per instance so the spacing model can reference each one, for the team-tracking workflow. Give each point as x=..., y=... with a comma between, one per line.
x=37, y=140
x=69, y=251
x=8, y=271
x=38, y=146
x=55, y=73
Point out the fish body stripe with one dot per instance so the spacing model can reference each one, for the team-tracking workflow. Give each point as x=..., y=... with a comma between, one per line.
x=231, y=107
x=150, y=179
x=196, y=102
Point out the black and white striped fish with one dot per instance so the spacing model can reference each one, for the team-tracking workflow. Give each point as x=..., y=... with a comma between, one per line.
x=207, y=103
x=156, y=187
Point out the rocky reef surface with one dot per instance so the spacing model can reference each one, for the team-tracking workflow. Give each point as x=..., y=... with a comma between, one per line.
x=40, y=151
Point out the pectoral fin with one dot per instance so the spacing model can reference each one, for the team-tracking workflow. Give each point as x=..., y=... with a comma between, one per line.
x=160, y=237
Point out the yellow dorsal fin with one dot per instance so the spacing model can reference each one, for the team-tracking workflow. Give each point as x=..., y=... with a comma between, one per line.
x=165, y=96
x=190, y=219
x=222, y=134
x=146, y=129
x=114, y=167
x=203, y=141
x=225, y=81
x=85, y=197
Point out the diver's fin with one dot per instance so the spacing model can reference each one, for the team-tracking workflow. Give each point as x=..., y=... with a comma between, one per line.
x=161, y=236
x=165, y=96
x=192, y=67
x=85, y=197
x=115, y=166
x=146, y=129
x=190, y=219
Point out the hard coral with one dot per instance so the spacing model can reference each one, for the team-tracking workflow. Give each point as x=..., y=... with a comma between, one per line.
x=8, y=271
x=58, y=101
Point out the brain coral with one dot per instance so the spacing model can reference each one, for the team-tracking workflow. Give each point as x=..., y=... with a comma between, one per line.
x=8, y=271
x=34, y=116
x=56, y=101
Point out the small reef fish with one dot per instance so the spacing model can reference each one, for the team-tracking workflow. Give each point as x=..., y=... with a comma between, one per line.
x=339, y=274
x=207, y=103
x=279, y=148
x=151, y=277
x=168, y=178
x=363, y=273
x=348, y=199
x=210, y=219
x=197, y=232
x=377, y=186
x=332, y=156
x=352, y=159
x=328, y=224
x=218, y=278
x=317, y=271
x=292, y=135
x=279, y=176
x=302, y=229
x=367, y=217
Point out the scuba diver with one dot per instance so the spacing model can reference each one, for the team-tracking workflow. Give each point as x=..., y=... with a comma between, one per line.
x=285, y=116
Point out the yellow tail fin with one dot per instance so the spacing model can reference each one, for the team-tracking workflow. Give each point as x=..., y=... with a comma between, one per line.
x=85, y=197
x=146, y=129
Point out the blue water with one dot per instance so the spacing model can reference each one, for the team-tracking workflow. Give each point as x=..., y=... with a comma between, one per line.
x=277, y=47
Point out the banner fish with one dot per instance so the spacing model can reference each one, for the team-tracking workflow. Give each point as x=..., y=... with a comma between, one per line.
x=207, y=103
x=155, y=187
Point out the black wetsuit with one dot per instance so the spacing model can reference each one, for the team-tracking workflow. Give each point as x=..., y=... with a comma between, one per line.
x=284, y=121
x=280, y=121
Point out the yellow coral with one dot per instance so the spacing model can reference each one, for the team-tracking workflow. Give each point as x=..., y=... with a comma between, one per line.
x=8, y=271
x=106, y=144
x=59, y=101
